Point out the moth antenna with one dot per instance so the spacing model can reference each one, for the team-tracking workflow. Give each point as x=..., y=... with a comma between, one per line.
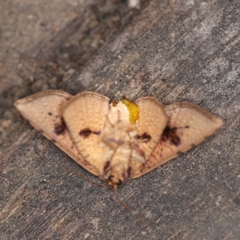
x=87, y=179
x=138, y=216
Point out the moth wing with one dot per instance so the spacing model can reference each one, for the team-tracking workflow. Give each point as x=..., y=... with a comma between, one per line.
x=151, y=123
x=85, y=116
x=43, y=111
x=194, y=124
x=188, y=125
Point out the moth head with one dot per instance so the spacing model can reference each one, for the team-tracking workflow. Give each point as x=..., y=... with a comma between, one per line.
x=115, y=174
x=114, y=180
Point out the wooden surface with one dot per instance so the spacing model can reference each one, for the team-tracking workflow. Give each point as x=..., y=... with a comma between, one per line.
x=175, y=51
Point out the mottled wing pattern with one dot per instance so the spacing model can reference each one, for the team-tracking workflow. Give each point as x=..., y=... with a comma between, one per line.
x=188, y=125
x=85, y=115
x=151, y=123
x=43, y=111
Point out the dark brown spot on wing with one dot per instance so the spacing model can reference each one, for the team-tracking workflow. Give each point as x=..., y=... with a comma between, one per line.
x=49, y=113
x=107, y=167
x=170, y=134
x=167, y=133
x=87, y=132
x=60, y=128
x=145, y=137
x=128, y=174
x=176, y=140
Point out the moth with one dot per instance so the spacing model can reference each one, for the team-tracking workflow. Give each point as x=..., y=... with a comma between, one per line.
x=120, y=140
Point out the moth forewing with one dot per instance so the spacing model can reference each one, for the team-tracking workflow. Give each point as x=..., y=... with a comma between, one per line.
x=43, y=110
x=192, y=124
x=188, y=125
x=85, y=116
x=151, y=123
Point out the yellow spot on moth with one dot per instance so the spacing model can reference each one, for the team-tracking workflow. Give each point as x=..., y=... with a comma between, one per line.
x=133, y=110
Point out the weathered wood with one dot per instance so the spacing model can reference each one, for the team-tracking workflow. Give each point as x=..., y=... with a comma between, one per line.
x=175, y=50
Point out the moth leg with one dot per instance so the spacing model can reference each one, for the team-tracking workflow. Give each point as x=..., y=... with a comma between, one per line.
x=108, y=121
